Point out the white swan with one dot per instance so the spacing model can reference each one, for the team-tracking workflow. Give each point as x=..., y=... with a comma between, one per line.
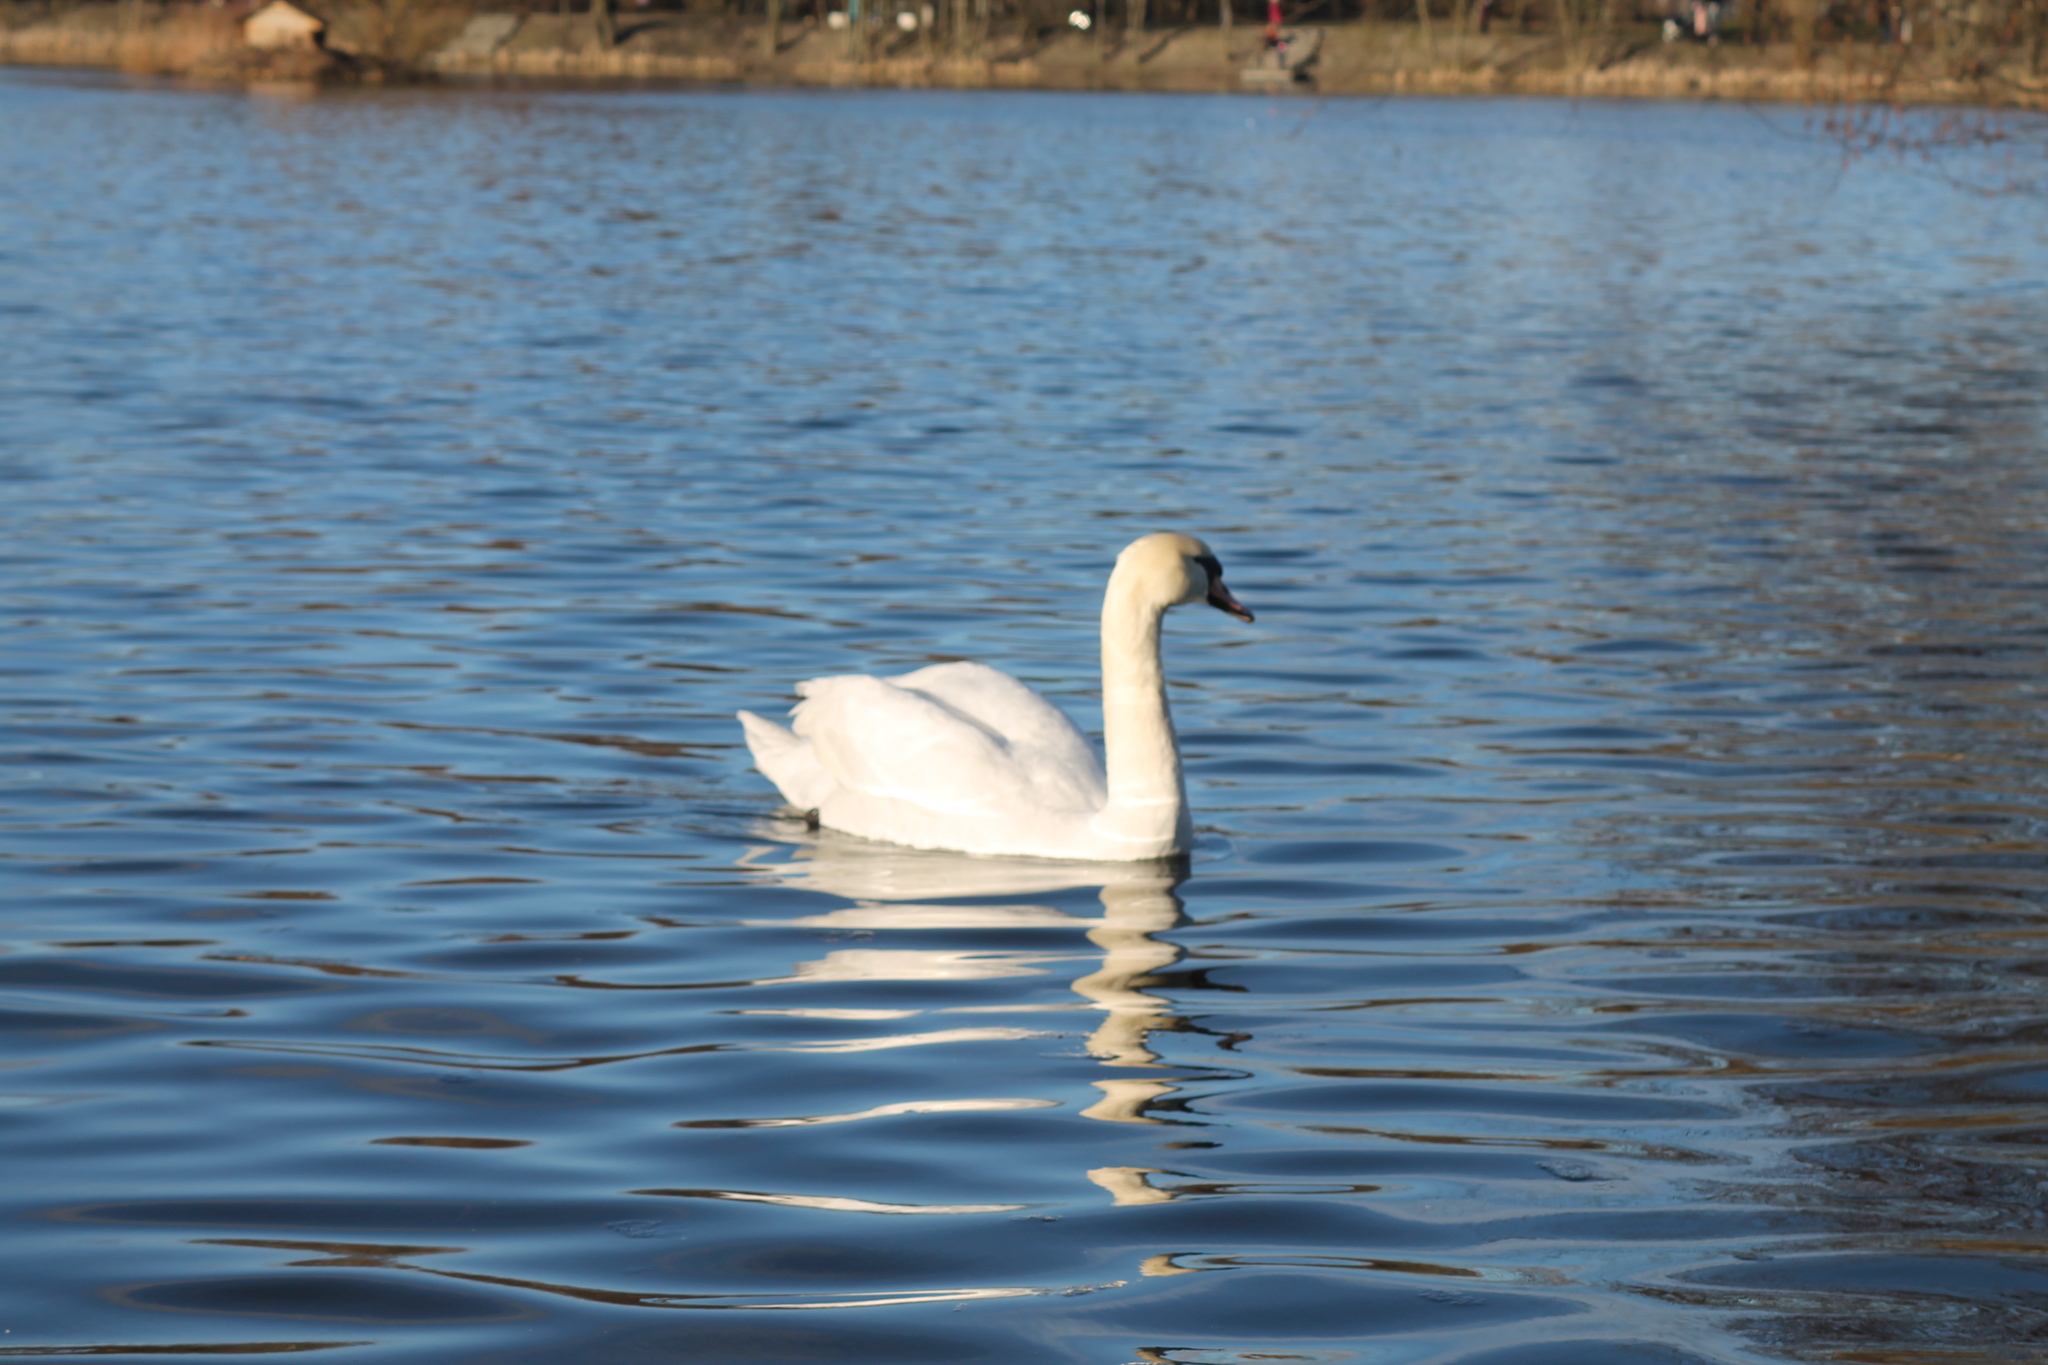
x=960, y=756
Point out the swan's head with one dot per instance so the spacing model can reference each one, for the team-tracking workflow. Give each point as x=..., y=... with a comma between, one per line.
x=1171, y=569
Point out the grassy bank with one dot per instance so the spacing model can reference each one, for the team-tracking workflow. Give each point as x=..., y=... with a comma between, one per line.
x=1625, y=59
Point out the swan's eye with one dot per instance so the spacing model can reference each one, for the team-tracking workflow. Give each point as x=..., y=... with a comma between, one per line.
x=1211, y=567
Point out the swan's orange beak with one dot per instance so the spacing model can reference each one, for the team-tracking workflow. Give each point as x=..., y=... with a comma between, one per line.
x=1220, y=598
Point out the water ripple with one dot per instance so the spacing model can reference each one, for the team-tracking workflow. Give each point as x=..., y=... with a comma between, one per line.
x=1614, y=928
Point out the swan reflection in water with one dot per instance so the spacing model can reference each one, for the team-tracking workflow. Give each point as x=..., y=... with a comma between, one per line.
x=896, y=888
x=893, y=888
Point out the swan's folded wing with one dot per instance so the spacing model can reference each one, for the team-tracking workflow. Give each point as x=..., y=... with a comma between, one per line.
x=1049, y=750
x=788, y=761
x=874, y=737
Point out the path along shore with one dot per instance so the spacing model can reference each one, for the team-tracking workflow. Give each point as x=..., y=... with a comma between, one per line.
x=1361, y=58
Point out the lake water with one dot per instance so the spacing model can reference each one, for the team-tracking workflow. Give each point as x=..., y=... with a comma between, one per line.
x=1619, y=925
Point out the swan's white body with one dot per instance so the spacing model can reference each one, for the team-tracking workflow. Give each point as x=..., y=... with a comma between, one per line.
x=961, y=756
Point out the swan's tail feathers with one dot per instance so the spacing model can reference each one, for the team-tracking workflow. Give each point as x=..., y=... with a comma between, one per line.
x=787, y=760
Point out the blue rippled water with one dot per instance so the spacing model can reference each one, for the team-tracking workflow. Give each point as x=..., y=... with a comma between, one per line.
x=1616, y=935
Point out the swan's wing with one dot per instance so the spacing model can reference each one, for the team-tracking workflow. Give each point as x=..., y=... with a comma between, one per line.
x=1050, y=752
x=999, y=703
x=873, y=737
x=788, y=761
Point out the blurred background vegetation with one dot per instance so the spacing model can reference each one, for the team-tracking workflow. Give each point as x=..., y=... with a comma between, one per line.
x=1876, y=55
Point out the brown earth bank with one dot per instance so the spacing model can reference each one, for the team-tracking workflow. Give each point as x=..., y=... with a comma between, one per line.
x=424, y=39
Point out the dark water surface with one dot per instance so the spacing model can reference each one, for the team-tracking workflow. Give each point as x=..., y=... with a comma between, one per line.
x=1617, y=930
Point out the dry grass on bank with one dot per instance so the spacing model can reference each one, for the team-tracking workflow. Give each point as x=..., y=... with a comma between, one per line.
x=375, y=40
x=368, y=37
x=145, y=38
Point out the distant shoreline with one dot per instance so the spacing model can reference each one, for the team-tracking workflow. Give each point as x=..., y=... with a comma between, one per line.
x=1358, y=58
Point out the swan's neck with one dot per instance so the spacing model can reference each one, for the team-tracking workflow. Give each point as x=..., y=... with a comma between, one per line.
x=1147, y=798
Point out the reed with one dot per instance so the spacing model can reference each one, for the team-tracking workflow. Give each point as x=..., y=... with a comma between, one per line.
x=135, y=35
x=177, y=38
